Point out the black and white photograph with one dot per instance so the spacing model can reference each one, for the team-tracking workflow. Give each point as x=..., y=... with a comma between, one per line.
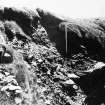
x=52, y=52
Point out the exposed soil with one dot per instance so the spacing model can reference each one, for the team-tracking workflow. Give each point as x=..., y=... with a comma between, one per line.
x=36, y=69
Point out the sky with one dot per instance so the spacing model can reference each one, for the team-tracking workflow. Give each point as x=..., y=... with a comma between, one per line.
x=66, y=8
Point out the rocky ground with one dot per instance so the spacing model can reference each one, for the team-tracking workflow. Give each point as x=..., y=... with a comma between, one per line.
x=34, y=72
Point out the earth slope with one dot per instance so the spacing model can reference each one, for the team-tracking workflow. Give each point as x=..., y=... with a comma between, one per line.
x=46, y=60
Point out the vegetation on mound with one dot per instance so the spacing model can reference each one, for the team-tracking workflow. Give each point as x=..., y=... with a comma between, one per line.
x=36, y=73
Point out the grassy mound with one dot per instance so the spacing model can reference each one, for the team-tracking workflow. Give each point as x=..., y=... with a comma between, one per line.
x=35, y=68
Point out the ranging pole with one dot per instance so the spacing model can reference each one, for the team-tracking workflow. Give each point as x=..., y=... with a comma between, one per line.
x=66, y=37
